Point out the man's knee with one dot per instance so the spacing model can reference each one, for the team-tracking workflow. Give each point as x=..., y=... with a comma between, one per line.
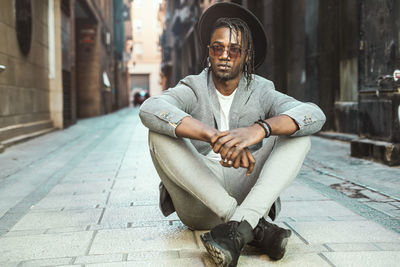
x=155, y=138
x=160, y=141
x=301, y=143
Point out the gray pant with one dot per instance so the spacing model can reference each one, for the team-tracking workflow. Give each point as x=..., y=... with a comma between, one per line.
x=205, y=194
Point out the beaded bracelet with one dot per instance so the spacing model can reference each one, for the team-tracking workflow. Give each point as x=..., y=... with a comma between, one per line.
x=265, y=126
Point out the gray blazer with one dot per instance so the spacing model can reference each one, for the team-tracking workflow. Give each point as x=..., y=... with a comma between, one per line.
x=196, y=96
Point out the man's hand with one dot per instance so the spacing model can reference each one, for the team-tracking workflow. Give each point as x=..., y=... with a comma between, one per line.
x=230, y=144
x=244, y=160
x=194, y=129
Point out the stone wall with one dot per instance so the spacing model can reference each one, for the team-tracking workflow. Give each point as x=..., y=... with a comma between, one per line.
x=24, y=85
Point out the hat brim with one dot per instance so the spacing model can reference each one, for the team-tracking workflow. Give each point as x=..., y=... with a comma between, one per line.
x=231, y=10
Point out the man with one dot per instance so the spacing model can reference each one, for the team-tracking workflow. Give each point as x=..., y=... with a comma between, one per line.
x=226, y=144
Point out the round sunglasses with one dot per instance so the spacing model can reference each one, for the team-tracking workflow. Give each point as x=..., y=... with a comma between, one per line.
x=217, y=50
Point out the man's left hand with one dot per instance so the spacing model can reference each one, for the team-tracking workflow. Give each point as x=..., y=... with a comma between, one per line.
x=244, y=160
x=231, y=143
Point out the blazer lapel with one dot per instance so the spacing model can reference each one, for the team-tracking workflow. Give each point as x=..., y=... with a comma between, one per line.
x=215, y=107
x=238, y=105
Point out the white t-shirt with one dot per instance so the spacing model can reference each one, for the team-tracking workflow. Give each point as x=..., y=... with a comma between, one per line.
x=225, y=103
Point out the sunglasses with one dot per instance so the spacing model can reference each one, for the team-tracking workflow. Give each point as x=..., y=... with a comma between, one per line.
x=217, y=50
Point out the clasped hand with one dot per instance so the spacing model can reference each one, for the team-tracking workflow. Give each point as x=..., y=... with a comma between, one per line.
x=233, y=146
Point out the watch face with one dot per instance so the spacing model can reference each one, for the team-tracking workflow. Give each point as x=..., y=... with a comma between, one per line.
x=23, y=23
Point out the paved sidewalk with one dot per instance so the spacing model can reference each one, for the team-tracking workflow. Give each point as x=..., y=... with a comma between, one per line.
x=88, y=196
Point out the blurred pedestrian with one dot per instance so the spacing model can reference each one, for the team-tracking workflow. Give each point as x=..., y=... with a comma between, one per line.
x=226, y=144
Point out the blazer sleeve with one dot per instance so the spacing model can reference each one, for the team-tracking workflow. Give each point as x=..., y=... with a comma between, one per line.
x=164, y=112
x=308, y=116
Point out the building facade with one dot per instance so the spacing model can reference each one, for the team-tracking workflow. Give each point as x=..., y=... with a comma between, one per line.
x=60, y=61
x=339, y=54
x=144, y=67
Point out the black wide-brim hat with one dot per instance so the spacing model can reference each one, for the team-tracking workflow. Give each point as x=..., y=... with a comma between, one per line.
x=231, y=10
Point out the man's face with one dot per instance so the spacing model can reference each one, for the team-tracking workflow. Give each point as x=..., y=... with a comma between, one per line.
x=226, y=58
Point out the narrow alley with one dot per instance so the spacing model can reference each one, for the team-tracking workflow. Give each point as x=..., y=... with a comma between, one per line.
x=88, y=196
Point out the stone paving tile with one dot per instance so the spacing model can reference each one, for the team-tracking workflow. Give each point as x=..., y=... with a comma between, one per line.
x=25, y=233
x=314, y=208
x=8, y=200
x=92, y=170
x=46, y=262
x=137, y=224
x=393, y=213
x=86, y=179
x=127, y=183
x=301, y=248
x=93, y=173
x=3, y=211
x=150, y=255
x=72, y=202
x=344, y=232
x=320, y=178
x=374, y=196
x=309, y=260
x=121, y=197
x=312, y=219
x=99, y=170
x=382, y=206
x=385, y=207
x=349, y=218
x=306, y=260
x=66, y=218
x=66, y=229
x=301, y=192
x=389, y=246
x=80, y=188
x=284, y=219
x=193, y=253
x=127, y=174
x=362, y=258
x=93, y=164
x=121, y=216
x=352, y=247
x=105, y=258
x=43, y=246
x=154, y=263
x=142, y=239
x=135, y=197
x=395, y=203
x=127, y=166
x=9, y=264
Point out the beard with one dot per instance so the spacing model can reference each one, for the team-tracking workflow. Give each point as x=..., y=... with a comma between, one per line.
x=226, y=75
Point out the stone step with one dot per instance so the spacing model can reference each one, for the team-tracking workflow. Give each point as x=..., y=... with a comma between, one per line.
x=385, y=152
x=24, y=129
x=23, y=138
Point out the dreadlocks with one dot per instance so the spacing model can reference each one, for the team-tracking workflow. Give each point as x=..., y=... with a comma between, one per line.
x=237, y=25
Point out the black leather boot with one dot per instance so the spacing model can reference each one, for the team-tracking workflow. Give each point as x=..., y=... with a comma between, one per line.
x=225, y=242
x=270, y=239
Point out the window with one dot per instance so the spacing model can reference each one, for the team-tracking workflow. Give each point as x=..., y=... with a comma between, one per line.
x=137, y=25
x=138, y=50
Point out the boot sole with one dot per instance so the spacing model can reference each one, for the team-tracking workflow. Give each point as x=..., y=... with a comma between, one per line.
x=220, y=256
x=283, y=245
